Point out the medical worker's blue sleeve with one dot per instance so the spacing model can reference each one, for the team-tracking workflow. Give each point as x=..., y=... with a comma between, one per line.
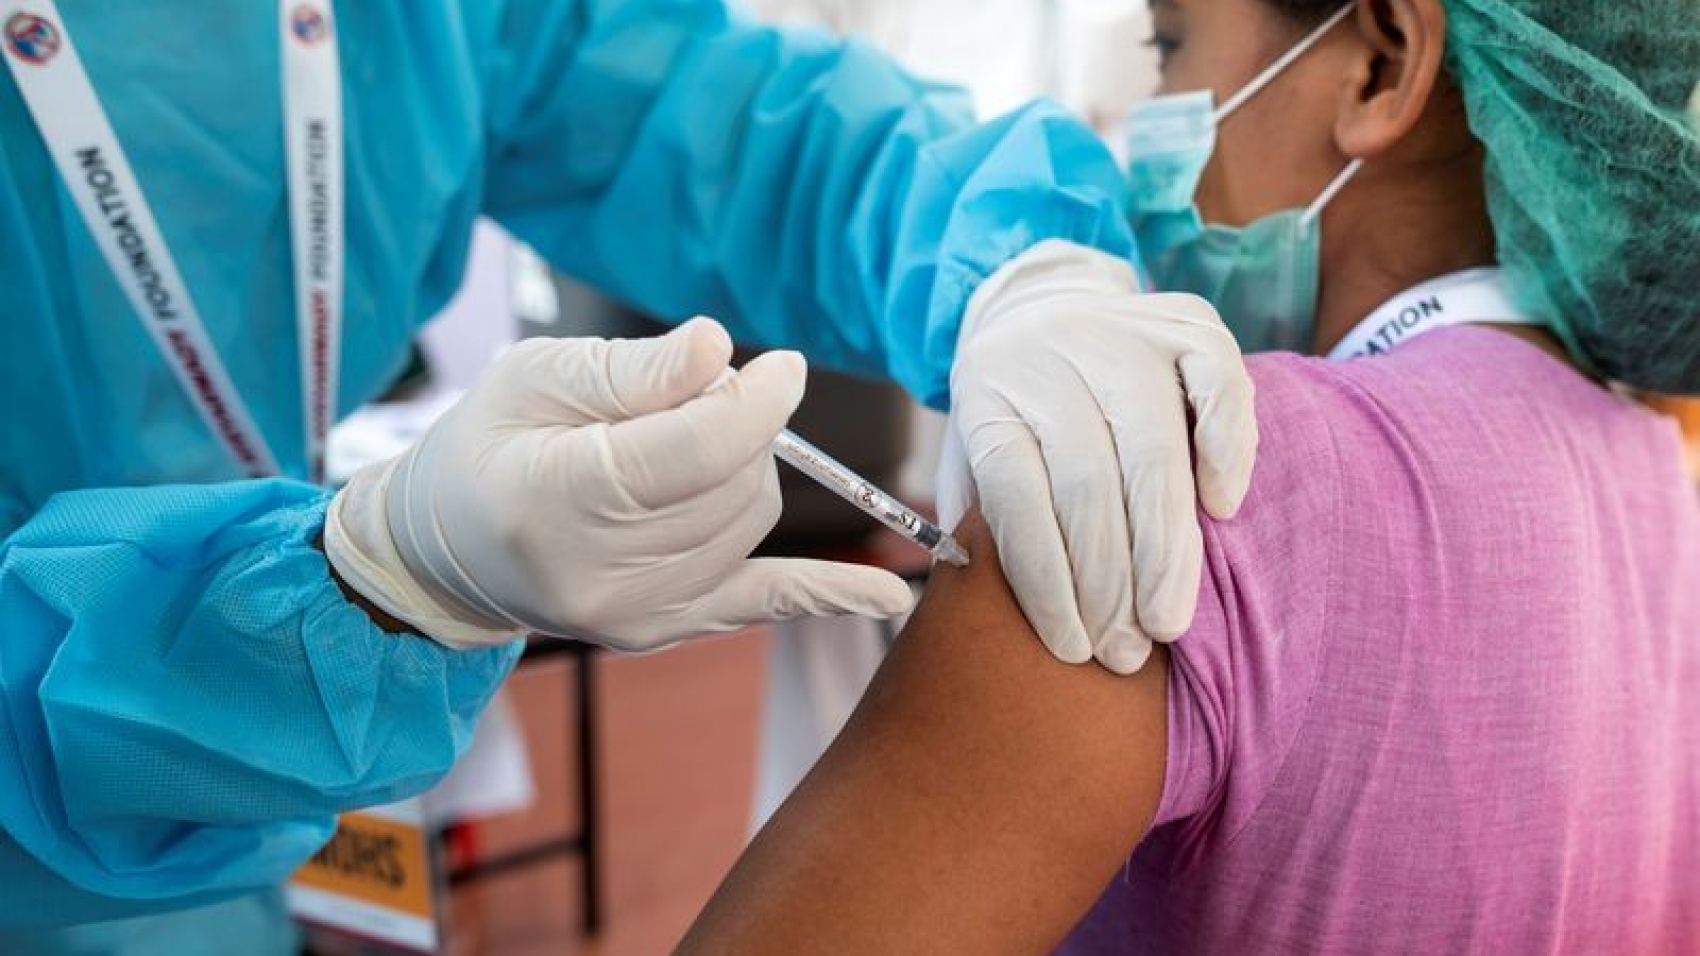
x=186, y=699
x=804, y=190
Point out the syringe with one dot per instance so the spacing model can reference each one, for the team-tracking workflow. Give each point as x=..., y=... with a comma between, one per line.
x=828, y=471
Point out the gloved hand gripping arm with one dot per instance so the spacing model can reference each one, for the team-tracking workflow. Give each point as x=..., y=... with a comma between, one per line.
x=1073, y=386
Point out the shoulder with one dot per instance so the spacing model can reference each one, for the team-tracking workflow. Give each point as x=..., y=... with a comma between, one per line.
x=1373, y=478
x=1339, y=452
x=1240, y=677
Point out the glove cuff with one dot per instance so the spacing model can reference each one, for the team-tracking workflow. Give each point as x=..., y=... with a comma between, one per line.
x=362, y=549
x=1051, y=268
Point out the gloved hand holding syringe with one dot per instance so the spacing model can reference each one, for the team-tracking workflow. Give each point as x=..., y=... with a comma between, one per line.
x=829, y=472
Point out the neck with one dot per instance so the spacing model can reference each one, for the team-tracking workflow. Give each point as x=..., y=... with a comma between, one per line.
x=1380, y=238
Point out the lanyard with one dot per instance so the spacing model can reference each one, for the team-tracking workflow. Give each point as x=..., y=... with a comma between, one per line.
x=1476, y=295
x=98, y=175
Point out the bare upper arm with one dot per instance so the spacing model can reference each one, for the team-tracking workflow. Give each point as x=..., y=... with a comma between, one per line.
x=979, y=801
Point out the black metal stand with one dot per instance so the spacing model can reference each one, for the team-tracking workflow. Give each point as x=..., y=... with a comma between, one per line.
x=587, y=843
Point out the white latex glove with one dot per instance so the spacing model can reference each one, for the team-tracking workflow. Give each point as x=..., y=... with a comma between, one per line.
x=604, y=490
x=1069, y=417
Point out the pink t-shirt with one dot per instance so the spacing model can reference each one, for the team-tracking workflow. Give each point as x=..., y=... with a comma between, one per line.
x=1443, y=692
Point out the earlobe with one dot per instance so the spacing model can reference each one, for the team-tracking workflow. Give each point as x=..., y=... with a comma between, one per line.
x=1404, y=42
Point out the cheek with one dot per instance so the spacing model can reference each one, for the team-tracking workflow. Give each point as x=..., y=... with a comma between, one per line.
x=1245, y=174
x=1271, y=156
x=1203, y=63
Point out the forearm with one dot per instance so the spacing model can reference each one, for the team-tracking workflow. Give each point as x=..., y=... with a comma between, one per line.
x=383, y=619
x=806, y=191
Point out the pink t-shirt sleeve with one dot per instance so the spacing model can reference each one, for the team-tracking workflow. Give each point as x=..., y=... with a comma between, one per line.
x=1241, y=678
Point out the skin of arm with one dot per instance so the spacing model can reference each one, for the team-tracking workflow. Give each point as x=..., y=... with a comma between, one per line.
x=966, y=807
x=385, y=622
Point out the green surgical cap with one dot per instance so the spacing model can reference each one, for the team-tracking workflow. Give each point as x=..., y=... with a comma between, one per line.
x=1590, y=113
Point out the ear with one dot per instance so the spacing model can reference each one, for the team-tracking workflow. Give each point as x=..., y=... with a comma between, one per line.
x=1404, y=42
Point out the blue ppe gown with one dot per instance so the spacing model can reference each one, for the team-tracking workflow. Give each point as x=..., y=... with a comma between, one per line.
x=186, y=699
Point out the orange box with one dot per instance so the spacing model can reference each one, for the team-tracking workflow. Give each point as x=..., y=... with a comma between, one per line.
x=375, y=861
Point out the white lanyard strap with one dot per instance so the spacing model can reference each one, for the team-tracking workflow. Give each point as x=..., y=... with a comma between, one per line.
x=1478, y=295
x=97, y=173
x=312, y=83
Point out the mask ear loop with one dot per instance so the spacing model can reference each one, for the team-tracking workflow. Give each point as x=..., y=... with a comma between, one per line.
x=1315, y=211
x=1287, y=59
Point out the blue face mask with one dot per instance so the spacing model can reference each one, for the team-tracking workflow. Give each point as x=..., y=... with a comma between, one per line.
x=1264, y=277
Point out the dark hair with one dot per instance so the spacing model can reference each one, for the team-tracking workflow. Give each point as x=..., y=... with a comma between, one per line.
x=1306, y=12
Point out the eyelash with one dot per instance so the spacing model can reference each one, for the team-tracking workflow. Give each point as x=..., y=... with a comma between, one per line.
x=1164, y=46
